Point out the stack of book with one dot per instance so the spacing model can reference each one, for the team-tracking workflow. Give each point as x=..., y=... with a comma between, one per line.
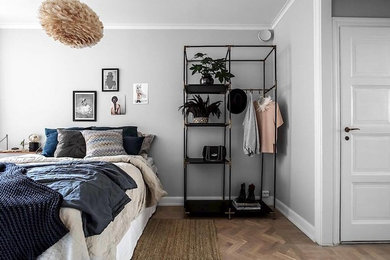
x=246, y=205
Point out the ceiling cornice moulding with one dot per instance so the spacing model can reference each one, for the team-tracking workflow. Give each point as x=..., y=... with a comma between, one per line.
x=254, y=27
x=281, y=13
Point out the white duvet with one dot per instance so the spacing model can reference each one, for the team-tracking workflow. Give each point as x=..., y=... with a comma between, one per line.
x=74, y=245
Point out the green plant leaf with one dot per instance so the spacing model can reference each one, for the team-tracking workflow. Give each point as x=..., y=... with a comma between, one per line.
x=199, y=55
x=201, y=108
x=209, y=66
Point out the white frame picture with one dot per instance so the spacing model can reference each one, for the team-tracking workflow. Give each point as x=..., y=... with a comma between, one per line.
x=140, y=93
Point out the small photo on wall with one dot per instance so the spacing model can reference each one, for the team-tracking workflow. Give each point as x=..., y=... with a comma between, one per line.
x=84, y=105
x=140, y=93
x=118, y=105
x=110, y=80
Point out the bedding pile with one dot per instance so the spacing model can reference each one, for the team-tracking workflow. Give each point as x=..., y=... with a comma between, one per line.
x=75, y=244
x=97, y=189
x=98, y=196
x=29, y=215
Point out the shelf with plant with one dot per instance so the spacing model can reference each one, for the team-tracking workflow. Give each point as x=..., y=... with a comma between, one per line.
x=210, y=89
x=210, y=68
x=201, y=109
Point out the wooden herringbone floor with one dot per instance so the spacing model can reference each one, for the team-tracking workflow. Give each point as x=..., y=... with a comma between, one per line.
x=266, y=238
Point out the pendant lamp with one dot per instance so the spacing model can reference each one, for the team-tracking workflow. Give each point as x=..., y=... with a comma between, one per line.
x=71, y=22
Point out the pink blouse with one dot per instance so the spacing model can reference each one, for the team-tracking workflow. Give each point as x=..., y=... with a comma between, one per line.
x=266, y=124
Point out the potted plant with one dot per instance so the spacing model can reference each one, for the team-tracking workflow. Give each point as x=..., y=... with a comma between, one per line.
x=201, y=109
x=210, y=68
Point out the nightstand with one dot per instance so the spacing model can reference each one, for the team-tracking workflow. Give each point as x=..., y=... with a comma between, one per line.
x=10, y=153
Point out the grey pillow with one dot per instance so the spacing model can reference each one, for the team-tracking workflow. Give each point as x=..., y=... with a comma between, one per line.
x=146, y=144
x=104, y=143
x=71, y=143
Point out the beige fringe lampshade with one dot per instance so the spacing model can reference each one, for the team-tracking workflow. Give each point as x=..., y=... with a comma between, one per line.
x=71, y=22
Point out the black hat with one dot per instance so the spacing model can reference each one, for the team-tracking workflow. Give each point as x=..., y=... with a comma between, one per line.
x=237, y=101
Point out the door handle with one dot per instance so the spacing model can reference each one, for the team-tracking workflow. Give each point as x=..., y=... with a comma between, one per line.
x=347, y=129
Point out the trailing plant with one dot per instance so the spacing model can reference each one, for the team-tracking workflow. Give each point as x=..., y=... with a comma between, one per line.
x=200, y=108
x=210, y=67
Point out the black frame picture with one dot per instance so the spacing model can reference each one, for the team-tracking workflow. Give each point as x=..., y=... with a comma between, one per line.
x=110, y=79
x=84, y=105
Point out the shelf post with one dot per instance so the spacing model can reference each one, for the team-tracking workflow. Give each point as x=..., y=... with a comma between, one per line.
x=276, y=126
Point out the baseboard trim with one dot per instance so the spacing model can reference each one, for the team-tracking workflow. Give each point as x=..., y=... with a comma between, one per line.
x=301, y=223
x=307, y=228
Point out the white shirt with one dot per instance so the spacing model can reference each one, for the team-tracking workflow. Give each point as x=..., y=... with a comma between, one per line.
x=251, y=144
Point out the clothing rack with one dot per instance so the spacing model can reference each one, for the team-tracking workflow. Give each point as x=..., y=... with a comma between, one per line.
x=264, y=90
x=203, y=206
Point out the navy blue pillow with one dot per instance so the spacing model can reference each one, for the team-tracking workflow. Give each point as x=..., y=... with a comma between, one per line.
x=51, y=140
x=132, y=144
x=127, y=130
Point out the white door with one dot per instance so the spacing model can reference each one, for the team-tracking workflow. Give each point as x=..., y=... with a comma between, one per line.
x=365, y=157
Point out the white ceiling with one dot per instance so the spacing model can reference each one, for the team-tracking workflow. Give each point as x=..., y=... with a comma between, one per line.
x=240, y=14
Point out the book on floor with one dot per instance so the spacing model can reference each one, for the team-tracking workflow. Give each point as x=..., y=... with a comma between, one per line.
x=246, y=205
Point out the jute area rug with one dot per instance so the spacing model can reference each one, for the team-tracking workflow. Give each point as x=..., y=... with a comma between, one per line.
x=181, y=239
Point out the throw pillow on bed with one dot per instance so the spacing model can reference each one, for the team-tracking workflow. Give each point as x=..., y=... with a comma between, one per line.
x=146, y=144
x=132, y=144
x=51, y=140
x=104, y=143
x=71, y=143
x=127, y=130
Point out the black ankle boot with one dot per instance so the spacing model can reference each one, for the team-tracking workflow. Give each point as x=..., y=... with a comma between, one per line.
x=241, y=198
x=251, y=194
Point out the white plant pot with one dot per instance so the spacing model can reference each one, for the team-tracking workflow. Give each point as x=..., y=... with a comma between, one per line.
x=200, y=120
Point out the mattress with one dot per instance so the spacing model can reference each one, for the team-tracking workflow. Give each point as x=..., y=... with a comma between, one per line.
x=126, y=246
x=127, y=226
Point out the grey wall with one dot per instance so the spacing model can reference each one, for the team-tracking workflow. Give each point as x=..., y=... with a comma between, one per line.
x=38, y=75
x=294, y=38
x=361, y=8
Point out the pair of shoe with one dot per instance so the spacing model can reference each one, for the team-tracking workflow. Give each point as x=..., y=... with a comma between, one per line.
x=251, y=194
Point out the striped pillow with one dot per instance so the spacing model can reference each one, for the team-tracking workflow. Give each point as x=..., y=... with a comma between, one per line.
x=104, y=143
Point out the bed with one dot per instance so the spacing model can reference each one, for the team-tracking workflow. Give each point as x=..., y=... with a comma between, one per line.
x=119, y=238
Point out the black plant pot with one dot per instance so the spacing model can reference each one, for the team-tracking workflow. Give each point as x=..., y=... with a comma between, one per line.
x=207, y=80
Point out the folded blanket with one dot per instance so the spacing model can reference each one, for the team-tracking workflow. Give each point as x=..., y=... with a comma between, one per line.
x=97, y=189
x=29, y=215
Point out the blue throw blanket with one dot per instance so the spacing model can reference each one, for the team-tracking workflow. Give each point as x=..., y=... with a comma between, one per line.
x=97, y=189
x=29, y=215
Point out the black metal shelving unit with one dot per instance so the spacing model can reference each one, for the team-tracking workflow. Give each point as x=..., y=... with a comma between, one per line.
x=224, y=205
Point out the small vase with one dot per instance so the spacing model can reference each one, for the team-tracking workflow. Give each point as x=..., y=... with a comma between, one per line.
x=200, y=120
x=206, y=80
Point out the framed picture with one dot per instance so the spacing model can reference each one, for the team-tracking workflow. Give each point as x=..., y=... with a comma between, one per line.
x=84, y=105
x=140, y=93
x=118, y=105
x=110, y=80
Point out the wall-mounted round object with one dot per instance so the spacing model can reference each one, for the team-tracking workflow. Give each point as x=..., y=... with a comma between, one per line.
x=265, y=35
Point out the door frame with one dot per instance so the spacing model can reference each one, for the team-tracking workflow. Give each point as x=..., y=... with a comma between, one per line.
x=339, y=23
